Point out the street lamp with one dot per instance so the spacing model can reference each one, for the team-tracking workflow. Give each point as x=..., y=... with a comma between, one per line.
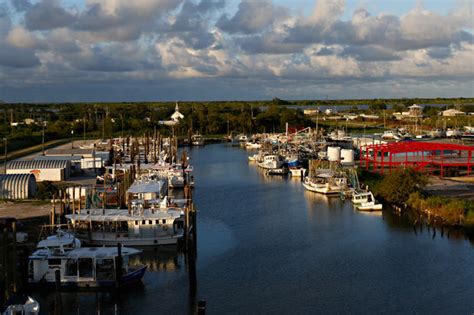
x=42, y=138
x=72, y=139
x=6, y=150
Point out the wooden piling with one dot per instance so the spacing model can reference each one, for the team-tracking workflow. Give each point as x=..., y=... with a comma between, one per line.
x=80, y=199
x=74, y=199
x=13, y=259
x=60, y=199
x=57, y=283
x=201, y=309
x=53, y=210
x=118, y=266
x=6, y=293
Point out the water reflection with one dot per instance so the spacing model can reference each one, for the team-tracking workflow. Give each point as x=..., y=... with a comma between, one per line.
x=164, y=259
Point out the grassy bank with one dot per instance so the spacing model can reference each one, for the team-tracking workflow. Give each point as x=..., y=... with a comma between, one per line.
x=403, y=189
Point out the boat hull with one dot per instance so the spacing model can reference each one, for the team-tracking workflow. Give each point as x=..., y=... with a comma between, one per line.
x=126, y=280
x=322, y=189
x=130, y=242
x=376, y=207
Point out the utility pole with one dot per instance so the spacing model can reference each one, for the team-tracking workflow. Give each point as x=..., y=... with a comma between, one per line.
x=42, y=138
x=121, y=119
x=84, y=128
x=6, y=151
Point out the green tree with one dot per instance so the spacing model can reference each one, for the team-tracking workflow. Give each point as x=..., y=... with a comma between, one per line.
x=397, y=187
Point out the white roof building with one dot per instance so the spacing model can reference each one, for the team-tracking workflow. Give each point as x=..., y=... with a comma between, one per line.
x=452, y=112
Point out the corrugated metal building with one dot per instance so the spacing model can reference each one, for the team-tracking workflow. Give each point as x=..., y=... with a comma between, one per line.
x=50, y=170
x=17, y=186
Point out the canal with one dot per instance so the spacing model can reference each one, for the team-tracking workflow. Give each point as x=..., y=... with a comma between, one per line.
x=265, y=245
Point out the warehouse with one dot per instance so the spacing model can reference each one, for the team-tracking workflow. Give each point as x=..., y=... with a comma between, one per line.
x=43, y=170
x=17, y=186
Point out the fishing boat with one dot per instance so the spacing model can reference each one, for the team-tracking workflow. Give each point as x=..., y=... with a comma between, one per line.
x=278, y=171
x=325, y=183
x=453, y=133
x=61, y=239
x=297, y=171
x=252, y=145
x=369, y=206
x=437, y=133
x=365, y=201
x=197, y=140
x=21, y=305
x=359, y=197
x=85, y=267
x=138, y=226
x=271, y=161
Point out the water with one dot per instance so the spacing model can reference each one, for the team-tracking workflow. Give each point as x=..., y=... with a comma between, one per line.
x=265, y=245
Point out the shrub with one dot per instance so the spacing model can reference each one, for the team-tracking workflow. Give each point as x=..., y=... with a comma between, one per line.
x=46, y=190
x=397, y=187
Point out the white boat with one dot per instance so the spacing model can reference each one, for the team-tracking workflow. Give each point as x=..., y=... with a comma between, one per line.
x=453, y=133
x=369, y=206
x=137, y=227
x=61, y=239
x=325, y=184
x=271, y=161
x=85, y=267
x=257, y=157
x=197, y=140
x=252, y=145
x=22, y=305
x=359, y=197
x=297, y=172
x=437, y=133
x=391, y=135
x=278, y=171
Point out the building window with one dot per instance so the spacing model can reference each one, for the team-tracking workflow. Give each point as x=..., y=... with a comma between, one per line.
x=163, y=221
x=143, y=222
x=150, y=222
x=136, y=222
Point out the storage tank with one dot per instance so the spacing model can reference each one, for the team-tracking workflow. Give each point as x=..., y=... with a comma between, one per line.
x=347, y=156
x=334, y=154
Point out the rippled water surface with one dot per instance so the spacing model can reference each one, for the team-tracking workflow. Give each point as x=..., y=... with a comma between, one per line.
x=265, y=245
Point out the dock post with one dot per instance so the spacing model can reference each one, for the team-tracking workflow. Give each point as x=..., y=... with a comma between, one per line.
x=80, y=199
x=201, y=309
x=118, y=266
x=74, y=200
x=5, y=294
x=53, y=210
x=57, y=282
x=60, y=199
x=13, y=259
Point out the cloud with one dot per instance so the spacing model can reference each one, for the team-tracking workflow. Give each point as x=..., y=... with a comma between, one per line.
x=370, y=53
x=11, y=56
x=21, y=38
x=21, y=5
x=46, y=15
x=48, y=43
x=252, y=17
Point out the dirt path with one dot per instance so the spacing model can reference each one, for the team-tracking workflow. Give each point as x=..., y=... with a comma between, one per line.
x=24, y=210
x=451, y=188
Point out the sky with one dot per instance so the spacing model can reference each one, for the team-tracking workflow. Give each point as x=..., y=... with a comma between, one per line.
x=210, y=50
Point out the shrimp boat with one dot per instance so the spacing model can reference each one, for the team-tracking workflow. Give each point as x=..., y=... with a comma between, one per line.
x=297, y=171
x=271, y=161
x=197, y=140
x=365, y=201
x=138, y=226
x=85, y=267
x=325, y=183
